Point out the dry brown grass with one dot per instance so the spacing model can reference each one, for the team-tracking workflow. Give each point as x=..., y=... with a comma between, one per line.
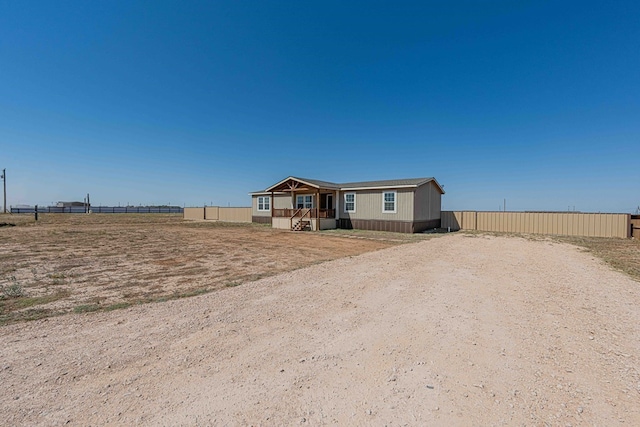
x=97, y=262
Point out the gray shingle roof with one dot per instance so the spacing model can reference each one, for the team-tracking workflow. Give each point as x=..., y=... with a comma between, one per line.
x=317, y=182
x=387, y=183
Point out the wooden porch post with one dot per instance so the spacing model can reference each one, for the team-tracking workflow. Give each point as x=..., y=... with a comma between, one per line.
x=318, y=211
x=271, y=204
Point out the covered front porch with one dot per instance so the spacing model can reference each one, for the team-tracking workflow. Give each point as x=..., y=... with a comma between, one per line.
x=313, y=205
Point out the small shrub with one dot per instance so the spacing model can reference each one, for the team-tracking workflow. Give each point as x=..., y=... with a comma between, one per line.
x=14, y=290
x=118, y=306
x=86, y=308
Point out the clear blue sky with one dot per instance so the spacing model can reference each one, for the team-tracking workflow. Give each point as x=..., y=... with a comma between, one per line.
x=187, y=102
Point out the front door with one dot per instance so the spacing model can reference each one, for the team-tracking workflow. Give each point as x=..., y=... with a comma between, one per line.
x=326, y=201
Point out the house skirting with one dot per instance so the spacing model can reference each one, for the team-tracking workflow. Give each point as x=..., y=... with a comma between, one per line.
x=394, y=226
x=285, y=223
x=261, y=219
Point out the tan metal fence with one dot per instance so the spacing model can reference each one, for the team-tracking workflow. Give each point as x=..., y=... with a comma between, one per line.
x=568, y=224
x=193, y=213
x=234, y=214
x=217, y=213
x=635, y=226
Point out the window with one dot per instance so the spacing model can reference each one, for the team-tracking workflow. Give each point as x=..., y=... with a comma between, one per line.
x=350, y=202
x=304, y=202
x=389, y=201
x=264, y=203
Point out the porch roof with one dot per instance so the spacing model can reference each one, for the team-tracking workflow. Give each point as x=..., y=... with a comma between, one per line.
x=293, y=183
x=265, y=193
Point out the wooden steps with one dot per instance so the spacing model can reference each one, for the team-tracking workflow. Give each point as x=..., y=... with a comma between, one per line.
x=301, y=225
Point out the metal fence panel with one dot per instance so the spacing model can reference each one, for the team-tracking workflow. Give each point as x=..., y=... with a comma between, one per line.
x=235, y=214
x=193, y=213
x=217, y=213
x=99, y=209
x=560, y=223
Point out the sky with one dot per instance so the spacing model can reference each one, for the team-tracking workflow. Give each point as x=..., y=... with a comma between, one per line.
x=191, y=103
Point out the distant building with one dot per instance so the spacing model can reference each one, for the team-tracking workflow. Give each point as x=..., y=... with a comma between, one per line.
x=69, y=204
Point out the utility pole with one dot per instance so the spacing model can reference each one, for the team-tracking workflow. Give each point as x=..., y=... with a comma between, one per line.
x=4, y=180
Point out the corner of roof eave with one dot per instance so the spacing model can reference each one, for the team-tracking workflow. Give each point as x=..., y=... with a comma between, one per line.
x=435, y=181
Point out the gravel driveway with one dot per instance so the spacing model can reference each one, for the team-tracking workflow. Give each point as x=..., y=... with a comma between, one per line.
x=457, y=330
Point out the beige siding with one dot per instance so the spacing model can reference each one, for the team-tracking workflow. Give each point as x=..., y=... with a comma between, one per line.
x=280, y=201
x=567, y=224
x=254, y=208
x=193, y=213
x=369, y=205
x=427, y=202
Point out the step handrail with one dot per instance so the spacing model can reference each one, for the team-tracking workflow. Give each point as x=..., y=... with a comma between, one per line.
x=291, y=219
x=308, y=212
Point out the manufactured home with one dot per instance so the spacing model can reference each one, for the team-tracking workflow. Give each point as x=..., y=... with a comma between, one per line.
x=400, y=205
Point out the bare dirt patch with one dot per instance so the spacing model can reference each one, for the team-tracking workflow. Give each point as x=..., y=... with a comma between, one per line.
x=452, y=331
x=621, y=254
x=102, y=262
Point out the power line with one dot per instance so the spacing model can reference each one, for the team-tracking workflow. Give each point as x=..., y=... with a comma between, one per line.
x=4, y=180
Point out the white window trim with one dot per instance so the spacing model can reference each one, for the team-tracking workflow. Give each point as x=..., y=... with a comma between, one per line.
x=304, y=201
x=395, y=202
x=345, y=202
x=264, y=198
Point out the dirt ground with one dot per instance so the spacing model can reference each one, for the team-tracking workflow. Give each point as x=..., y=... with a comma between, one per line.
x=76, y=262
x=457, y=330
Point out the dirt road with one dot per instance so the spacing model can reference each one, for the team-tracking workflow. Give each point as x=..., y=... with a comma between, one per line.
x=457, y=330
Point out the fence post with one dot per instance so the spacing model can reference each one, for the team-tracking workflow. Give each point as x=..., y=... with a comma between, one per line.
x=36, y=212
